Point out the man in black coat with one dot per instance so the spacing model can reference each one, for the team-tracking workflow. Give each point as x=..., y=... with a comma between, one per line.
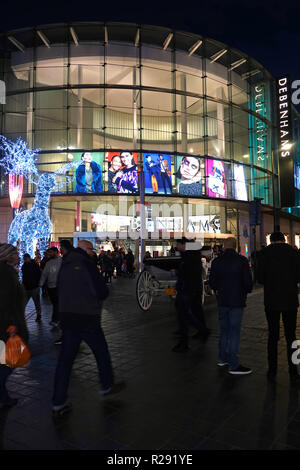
x=81, y=291
x=189, y=294
x=230, y=278
x=279, y=272
x=31, y=275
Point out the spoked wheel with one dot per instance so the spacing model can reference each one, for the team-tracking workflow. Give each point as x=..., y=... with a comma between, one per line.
x=144, y=287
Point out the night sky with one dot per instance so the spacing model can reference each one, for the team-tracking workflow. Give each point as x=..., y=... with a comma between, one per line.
x=269, y=31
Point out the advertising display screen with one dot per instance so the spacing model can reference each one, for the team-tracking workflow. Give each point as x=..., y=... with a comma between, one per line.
x=216, y=185
x=189, y=175
x=240, y=188
x=123, y=172
x=88, y=174
x=297, y=177
x=158, y=173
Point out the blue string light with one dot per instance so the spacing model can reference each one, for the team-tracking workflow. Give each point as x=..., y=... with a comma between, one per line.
x=34, y=224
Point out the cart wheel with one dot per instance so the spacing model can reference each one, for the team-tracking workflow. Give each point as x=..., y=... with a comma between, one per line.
x=144, y=290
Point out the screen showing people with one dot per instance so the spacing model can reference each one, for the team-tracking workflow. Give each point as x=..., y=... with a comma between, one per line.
x=215, y=178
x=123, y=173
x=189, y=175
x=158, y=173
x=88, y=175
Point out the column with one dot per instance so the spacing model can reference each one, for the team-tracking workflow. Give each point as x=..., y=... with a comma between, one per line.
x=79, y=109
x=183, y=115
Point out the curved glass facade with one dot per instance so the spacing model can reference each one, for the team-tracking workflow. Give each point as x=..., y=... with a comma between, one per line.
x=202, y=108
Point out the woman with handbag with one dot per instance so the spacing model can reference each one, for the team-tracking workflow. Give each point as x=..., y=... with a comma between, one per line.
x=12, y=301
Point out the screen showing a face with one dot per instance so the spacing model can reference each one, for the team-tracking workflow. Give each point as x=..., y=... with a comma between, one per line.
x=158, y=173
x=215, y=178
x=123, y=172
x=88, y=174
x=189, y=177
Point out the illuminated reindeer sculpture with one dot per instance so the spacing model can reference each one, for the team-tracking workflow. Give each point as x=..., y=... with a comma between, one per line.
x=32, y=226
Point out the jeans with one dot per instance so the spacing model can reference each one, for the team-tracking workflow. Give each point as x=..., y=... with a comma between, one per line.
x=289, y=318
x=190, y=311
x=4, y=374
x=230, y=329
x=35, y=294
x=93, y=335
x=52, y=291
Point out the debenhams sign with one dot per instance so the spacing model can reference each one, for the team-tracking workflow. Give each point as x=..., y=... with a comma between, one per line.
x=285, y=148
x=284, y=116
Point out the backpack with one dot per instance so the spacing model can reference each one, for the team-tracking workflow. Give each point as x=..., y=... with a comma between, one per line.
x=17, y=353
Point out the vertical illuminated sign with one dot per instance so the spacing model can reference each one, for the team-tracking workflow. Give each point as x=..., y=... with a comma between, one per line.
x=285, y=142
x=258, y=137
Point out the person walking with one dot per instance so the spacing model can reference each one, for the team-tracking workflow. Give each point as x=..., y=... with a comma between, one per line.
x=189, y=295
x=230, y=278
x=49, y=276
x=31, y=275
x=81, y=291
x=12, y=311
x=279, y=271
x=129, y=258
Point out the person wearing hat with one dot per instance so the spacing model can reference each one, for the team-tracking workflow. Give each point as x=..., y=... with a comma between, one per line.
x=189, y=289
x=12, y=312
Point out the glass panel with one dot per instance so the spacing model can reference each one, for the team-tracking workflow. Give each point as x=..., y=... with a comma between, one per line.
x=50, y=99
x=156, y=77
x=50, y=76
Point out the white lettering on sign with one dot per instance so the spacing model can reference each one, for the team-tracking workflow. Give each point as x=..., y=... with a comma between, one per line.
x=284, y=126
x=260, y=125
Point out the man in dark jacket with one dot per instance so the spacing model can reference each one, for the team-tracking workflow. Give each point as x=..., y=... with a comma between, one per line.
x=81, y=291
x=12, y=308
x=230, y=278
x=189, y=294
x=279, y=272
x=31, y=275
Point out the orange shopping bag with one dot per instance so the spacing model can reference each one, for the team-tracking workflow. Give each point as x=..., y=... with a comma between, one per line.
x=17, y=353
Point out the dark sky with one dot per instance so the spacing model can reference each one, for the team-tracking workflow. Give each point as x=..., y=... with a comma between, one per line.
x=269, y=31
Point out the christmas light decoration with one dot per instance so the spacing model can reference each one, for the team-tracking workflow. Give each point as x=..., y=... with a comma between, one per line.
x=33, y=226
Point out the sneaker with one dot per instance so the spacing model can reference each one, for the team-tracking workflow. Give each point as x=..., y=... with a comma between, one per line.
x=115, y=388
x=180, y=348
x=202, y=336
x=64, y=410
x=8, y=403
x=177, y=333
x=222, y=364
x=240, y=370
x=54, y=323
x=58, y=341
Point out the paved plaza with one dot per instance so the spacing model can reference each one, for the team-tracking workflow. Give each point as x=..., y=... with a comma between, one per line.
x=172, y=401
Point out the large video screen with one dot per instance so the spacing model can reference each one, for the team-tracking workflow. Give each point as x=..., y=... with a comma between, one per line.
x=240, y=188
x=190, y=175
x=123, y=172
x=216, y=184
x=88, y=174
x=158, y=173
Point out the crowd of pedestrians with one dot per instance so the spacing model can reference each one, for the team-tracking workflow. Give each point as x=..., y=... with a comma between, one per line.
x=76, y=283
